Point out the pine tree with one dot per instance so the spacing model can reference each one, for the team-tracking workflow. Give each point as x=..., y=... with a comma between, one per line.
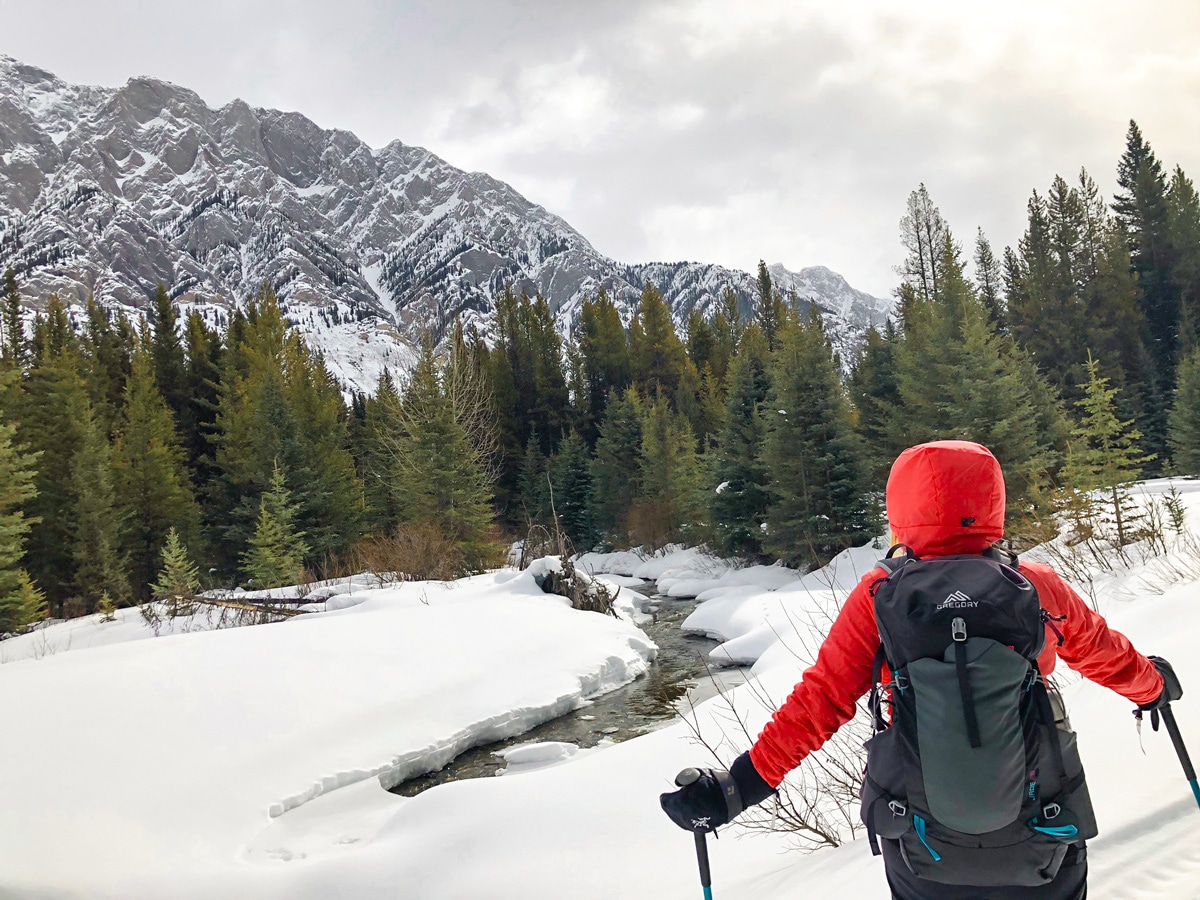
x=170, y=362
x=440, y=474
x=13, y=348
x=958, y=379
x=818, y=500
x=154, y=494
x=19, y=603
x=923, y=233
x=100, y=567
x=615, y=466
x=178, y=575
x=739, y=502
x=875, y=394
x=1183, y=222
x=275, y=557
x=989, y=281
x=606, y=363
x=771, y=311
x=1103, y=454
x=669, y=505
x=50, y=412
x=571, y=484
x=658, y=354
x=1185, y=416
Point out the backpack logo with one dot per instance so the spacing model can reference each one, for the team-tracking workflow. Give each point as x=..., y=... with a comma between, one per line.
x=957, y=600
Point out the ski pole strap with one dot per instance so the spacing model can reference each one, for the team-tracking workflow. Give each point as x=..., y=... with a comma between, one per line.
x=1189, y=770
x=702, y=859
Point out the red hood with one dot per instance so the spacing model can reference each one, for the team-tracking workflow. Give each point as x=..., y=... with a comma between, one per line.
x=946, y=497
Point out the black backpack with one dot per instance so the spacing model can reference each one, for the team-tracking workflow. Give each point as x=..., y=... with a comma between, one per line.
x=976, y=776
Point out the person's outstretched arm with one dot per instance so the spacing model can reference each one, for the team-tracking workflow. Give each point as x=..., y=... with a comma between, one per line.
x=825, y=698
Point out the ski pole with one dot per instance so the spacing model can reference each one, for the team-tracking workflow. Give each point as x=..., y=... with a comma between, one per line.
x=702, y=859
x=1177, y=739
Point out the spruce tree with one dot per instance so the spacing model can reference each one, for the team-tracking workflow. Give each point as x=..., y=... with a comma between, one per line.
x=606, y=363
x=535, y=493
x=440, y=473
x=658, y=354
x=739, y=500
x=379, y=415
x=1183, y=222
x=275, y=557
x=571, y=484
x=178, y=575
x=875, y=394
x=1185, y=416
x=100, y=565
x=106, y=350
x=727, y=330
x=20, y=604
x=202, y=377
x=989, y=282
x=1103, y=452
x=13, y=348
x=818, y=503
x=771, y=310
x=669, y=505
x=958, y=379
x=154, y=494
x=923, y=234
x=170, y=362
x=615, y=466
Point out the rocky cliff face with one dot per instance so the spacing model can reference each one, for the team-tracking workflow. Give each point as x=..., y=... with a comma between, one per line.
x=108, y=192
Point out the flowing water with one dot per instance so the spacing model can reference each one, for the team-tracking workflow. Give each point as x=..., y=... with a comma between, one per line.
x=677, y=677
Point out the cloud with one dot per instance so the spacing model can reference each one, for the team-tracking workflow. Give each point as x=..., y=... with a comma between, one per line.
x=790, y=130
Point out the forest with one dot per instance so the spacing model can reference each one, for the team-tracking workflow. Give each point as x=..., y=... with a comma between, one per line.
x=143, y=458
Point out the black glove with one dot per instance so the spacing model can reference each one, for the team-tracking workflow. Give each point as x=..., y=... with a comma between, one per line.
x=1172, y=691
x=710, y=798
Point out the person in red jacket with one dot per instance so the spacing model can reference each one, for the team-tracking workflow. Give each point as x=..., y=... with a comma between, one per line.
x=943, y=498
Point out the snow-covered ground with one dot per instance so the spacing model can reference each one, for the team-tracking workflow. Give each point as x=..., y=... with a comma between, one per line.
x=176, y=767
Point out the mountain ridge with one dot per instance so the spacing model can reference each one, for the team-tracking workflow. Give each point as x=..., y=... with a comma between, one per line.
x=110, y=191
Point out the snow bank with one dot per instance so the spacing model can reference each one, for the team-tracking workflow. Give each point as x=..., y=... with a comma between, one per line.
x=136, y=769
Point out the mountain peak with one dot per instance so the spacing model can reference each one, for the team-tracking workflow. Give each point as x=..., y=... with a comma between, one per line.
x=109, y=192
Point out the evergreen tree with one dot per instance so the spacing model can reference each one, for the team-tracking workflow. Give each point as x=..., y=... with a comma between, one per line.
x=19, y=603
x=178, y=576
x=379, y=415
x=154, y=495
x=440, y=473
x=658, y=355
x=771, y=311
x=1103, y=454
x=727, y=330
x=275, y=557
x=958, y=379
x=1185, y=416
x=100, y=567
x=989, y=282
x=817, y=491
x=923, y=234
x=170, y=362
x=669, y=504
x=13, y=347
x=739, y=502
x=571, y=484
x=1142, y=209
x=1183, y=222
x=606, y=363
x=202, y=389
x=535, y=491
x=50, y=412
x=616, y=464
x=107, y=351
x=875, y=394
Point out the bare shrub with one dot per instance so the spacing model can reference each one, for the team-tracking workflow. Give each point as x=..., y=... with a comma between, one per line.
x=651, y=524
x=415, y=552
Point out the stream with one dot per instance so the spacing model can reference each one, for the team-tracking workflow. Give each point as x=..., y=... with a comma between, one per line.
x=677, y=678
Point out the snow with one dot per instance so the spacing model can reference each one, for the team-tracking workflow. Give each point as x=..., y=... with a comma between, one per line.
x=192, y=740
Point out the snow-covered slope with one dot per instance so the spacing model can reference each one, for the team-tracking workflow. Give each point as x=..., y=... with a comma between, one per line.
x=237, y=763
x=112, y=191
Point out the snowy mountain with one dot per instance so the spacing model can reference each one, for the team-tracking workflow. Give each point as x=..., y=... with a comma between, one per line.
x=108, y=192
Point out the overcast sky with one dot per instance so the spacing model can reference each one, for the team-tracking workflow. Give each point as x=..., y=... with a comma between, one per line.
x=708, y=130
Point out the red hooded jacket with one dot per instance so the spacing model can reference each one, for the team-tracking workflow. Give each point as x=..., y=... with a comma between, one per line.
x=943, y=498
